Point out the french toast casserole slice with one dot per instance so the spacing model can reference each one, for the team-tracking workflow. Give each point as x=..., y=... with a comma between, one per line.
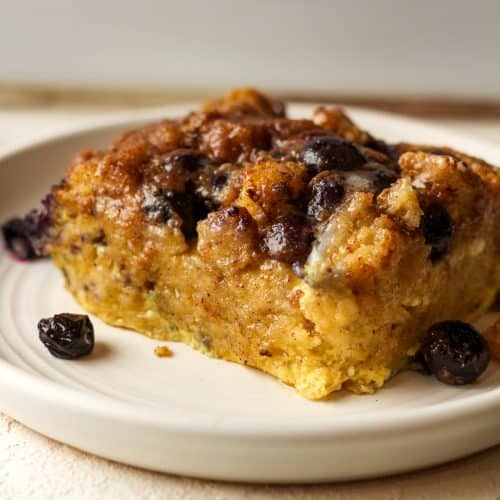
x=305, y=248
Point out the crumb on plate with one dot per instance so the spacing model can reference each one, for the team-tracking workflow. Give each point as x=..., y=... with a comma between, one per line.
x=163, y=351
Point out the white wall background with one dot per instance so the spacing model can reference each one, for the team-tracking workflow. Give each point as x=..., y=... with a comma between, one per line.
x=438, y=47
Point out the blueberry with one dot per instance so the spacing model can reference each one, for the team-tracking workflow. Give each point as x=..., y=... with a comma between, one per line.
x=331, y=153
x=17, y=240
x=288, y=239
x=437, y=228
x=67, y=336
x=389, y=150
x=159, y=207
x=167, y=204
x=25, y=237
x=455, y=352
x=327, y=193
x=380, y=175
x=187, y=159
x=188, y=207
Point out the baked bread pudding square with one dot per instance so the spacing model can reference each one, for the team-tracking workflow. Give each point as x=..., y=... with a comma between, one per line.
x=308, y=249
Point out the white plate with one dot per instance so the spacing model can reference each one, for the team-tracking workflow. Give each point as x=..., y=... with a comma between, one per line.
x=192, y=415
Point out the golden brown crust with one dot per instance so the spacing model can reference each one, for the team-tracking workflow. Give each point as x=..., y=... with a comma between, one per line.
x=228, y=238
x=335, y=120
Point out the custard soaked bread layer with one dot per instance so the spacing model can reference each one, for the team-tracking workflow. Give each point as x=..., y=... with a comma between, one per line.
x=306, y=248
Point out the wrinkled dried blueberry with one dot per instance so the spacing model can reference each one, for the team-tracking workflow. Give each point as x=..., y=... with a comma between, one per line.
x=437, y=228
x=25, y=237
x=455, y=352
x=331, y=153
x=67, y=336
x=288, y=239
x=327, y=193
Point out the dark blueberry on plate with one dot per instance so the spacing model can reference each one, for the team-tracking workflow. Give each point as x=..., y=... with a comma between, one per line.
x=17, y=240
x=67, y=336
x=25, y=237
x=455, y=352
x=331, y=153
x=288, y=239
x=437, y=228
x=326, y=193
